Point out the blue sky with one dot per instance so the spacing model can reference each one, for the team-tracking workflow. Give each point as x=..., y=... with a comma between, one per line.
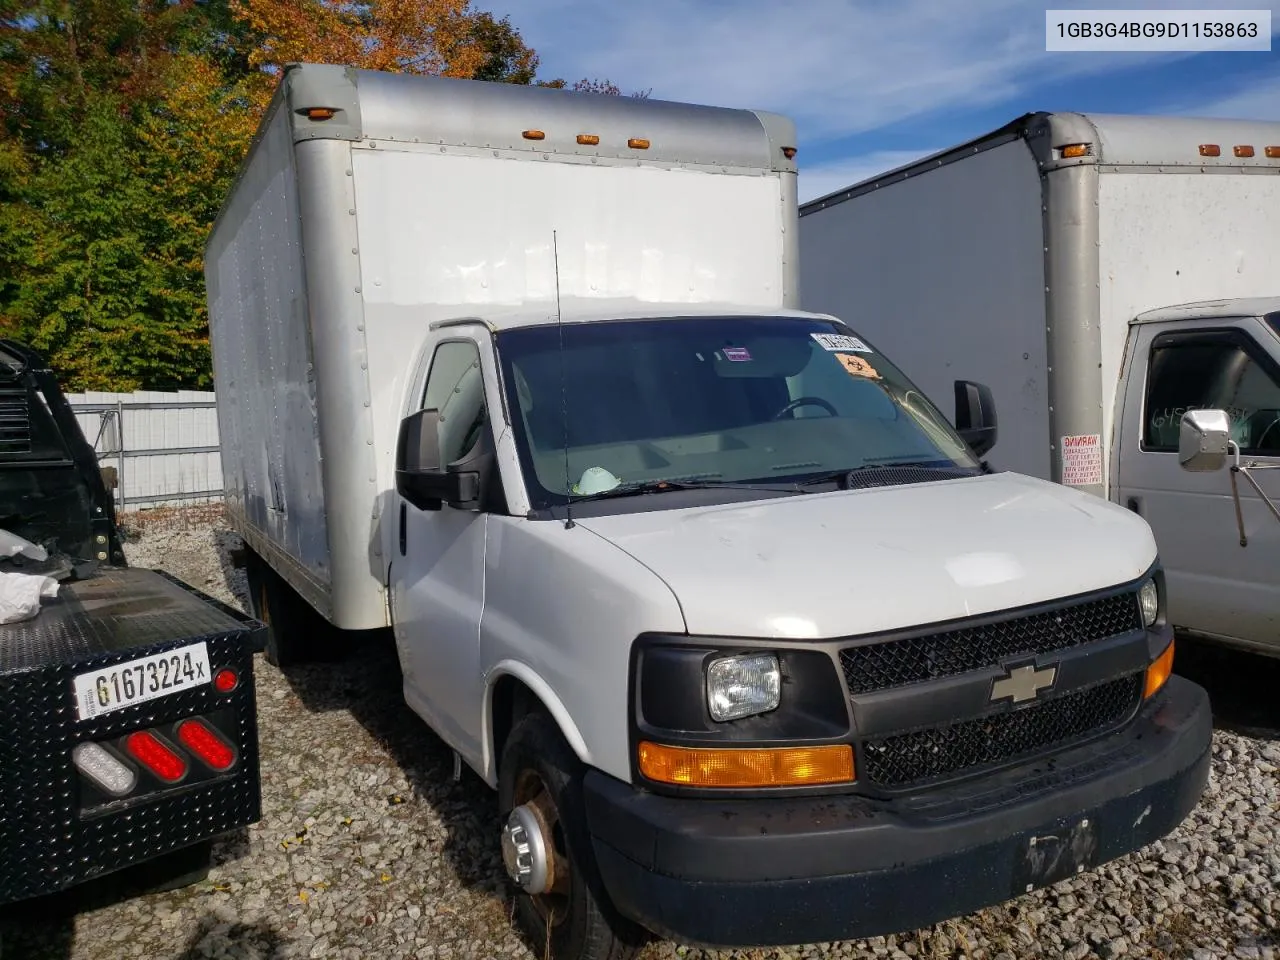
x=873, y=84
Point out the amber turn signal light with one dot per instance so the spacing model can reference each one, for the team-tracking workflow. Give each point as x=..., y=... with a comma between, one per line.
x=747, y=766
x=1073, y=150
x=1159, y=672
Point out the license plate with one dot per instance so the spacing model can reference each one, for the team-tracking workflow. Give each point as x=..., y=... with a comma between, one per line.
x=121, y=685
x=1053, y=855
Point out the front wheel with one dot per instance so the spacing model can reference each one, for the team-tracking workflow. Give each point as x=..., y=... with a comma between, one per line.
x=561, y=904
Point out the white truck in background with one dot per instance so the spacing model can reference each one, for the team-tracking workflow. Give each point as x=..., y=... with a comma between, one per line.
x=748, y=643
x=1104, y=275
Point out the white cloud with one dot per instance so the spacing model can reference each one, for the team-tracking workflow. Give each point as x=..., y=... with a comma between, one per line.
x=826, y=178
x=1257, y=101
x=838, y=67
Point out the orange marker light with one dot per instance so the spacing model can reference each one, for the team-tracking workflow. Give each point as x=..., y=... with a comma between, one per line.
x=1242, y=150
x=320, y=113
x=1272, y=152
x=1159, y=672
x=588, y=139
x=1210, y=150
x=1073, y=150
x=789, y=152
x=534, y=135
x=747, y=766
x=638, y=143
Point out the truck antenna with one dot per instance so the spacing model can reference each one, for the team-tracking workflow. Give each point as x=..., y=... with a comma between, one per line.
x=564, y=399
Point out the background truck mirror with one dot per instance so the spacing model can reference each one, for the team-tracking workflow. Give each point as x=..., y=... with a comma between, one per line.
x=1204, y=438
x=975, y=416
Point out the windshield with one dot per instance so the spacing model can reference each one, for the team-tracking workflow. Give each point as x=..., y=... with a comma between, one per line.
x=719, y=400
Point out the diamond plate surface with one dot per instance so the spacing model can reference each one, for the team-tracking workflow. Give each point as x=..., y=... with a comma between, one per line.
x=896, y=663
x=923, y=755
x=48, y=840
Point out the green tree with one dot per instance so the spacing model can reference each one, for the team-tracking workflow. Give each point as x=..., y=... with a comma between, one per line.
x=122, y=124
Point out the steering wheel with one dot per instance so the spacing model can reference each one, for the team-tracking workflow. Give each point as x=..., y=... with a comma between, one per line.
x=806, y=402
x=1257, y=444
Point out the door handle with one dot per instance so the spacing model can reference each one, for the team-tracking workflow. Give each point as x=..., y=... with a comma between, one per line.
x=404, y=533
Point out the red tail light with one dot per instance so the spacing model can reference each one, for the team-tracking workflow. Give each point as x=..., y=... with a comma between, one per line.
x=206, y=744
x=225, y=680
x=148, y=750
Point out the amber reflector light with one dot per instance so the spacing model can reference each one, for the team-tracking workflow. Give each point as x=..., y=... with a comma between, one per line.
x=747, y=766
x=1159, y=671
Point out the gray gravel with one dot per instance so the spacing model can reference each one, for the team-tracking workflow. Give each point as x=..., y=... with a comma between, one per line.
x=368, y=849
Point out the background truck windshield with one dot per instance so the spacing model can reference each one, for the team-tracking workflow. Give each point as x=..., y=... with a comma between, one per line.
x=721, y=400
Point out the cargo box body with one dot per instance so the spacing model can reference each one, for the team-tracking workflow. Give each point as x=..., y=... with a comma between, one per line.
x=1009, y=261
x=372, y=205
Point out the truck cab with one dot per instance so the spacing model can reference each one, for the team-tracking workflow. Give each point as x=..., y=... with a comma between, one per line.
x=1218, y=523
x=729, y=614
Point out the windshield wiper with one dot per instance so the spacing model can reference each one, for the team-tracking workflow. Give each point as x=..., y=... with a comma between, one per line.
x=666, y=486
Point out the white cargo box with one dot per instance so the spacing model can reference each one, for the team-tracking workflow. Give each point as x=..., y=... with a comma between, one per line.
x=373, y=204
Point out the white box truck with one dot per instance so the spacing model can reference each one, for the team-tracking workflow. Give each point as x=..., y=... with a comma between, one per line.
x=750, y=646
x=1104, y=275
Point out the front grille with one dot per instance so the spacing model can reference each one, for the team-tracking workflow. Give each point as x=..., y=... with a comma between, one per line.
x=895, y=663
x=923, y=755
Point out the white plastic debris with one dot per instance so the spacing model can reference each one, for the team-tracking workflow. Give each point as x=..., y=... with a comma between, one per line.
x=11, y=545
x=21, y=593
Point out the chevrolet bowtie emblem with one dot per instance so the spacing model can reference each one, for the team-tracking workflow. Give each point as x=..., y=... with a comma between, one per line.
x=1023, y=683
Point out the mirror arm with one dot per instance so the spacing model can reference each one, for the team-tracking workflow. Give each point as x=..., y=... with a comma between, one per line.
x=1237, y=468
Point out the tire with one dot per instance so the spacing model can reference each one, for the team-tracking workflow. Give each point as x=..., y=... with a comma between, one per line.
x=296, y=633
x=535, y=761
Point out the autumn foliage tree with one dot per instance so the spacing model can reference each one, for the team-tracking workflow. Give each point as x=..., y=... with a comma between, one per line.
x=122, y=123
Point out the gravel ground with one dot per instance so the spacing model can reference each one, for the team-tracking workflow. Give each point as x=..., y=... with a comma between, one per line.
x=368, y=849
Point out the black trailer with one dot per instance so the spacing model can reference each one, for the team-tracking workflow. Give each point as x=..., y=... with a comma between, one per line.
x=128, y=721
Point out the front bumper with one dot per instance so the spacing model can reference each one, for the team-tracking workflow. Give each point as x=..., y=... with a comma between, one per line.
x=787, y=871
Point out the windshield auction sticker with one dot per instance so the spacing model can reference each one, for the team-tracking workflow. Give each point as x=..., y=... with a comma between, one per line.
x=835, y=342
x=855, y=366
x=1082, y=460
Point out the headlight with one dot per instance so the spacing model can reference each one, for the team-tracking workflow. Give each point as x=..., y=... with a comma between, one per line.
x=1149, y=601
x=743, y=686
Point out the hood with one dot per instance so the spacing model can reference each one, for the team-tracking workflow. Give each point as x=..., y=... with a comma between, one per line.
x=862, y=561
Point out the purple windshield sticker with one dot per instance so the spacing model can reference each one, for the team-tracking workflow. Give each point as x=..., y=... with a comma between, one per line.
x=736, y=354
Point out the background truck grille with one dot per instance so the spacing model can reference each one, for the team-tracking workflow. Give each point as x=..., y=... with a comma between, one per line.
x=922, y=755
x=895, y=663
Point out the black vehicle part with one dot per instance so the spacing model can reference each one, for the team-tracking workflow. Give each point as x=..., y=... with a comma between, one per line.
x=763, y=872
x=57, y=828
x=51, y=489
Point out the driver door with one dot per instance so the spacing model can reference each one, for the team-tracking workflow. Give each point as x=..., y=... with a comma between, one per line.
x=437, y=567
x=1217, y=587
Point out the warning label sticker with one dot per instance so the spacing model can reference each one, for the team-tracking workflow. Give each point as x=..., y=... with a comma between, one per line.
x=1082, y=460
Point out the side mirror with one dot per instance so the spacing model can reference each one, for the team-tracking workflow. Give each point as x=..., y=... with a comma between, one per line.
x=1204, y=440
x=976, y=416
x=423, y=480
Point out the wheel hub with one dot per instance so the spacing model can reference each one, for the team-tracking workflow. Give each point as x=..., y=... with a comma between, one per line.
x=524, y=850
